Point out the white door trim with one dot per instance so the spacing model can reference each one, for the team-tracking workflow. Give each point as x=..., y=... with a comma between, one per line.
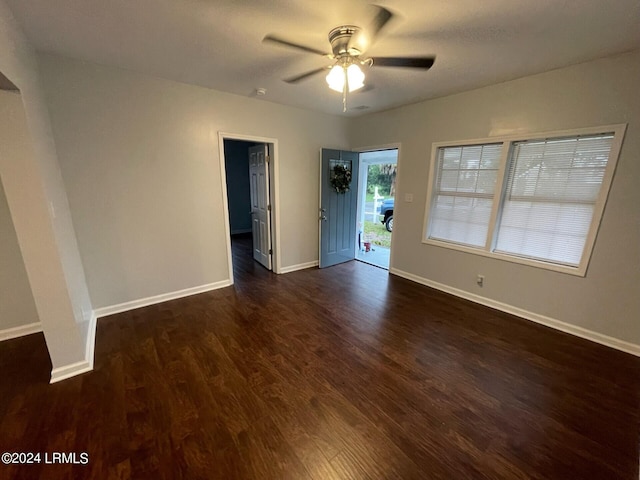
x=387, y=146
x=274, y=193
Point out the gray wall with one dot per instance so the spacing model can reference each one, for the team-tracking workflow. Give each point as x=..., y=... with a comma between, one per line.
x=602, y=92
x=236, y=157
x=141, y=163
x=17, y=307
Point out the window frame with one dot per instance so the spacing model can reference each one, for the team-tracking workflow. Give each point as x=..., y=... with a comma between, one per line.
x=508, y=142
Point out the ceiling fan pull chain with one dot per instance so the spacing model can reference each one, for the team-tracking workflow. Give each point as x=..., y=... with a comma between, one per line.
x=344, y=91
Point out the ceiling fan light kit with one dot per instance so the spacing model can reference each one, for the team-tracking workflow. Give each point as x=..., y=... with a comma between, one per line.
x=340, y=76
x=348, y=43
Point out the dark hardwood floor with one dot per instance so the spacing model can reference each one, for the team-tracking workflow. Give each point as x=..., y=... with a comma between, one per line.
x=339, y=373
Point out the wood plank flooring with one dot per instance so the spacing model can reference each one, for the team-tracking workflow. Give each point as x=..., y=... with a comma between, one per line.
x=341, y=373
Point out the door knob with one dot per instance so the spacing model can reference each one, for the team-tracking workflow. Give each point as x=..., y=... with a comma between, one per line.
x=323, y=217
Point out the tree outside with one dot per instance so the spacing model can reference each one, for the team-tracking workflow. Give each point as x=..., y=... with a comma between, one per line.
x=382, y=176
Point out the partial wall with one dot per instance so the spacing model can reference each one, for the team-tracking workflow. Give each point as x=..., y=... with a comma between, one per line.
x=140, y=160
x=38, y=203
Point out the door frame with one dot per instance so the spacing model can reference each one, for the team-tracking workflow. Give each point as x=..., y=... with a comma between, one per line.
x=274, y=195
x=386, y=146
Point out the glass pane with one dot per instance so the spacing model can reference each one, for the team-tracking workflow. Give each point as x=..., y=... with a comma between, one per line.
x=552, y=188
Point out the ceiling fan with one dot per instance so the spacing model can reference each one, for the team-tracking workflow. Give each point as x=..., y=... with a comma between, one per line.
x=348, y=45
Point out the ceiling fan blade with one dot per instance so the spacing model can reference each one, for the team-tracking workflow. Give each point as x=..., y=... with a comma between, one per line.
x=424, y=63
x=380, y=20
x=287, y=43
x=367, y=37
x=304, y=76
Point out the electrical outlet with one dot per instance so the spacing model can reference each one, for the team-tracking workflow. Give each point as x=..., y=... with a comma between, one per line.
x=480, y=280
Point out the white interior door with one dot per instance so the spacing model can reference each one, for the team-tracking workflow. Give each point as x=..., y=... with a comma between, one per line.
x=260, y=207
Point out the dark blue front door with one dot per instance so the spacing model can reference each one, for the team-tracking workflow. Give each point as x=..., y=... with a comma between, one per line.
x=337, y=210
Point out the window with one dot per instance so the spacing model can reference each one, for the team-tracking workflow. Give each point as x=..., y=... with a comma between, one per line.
x=535, y=200
x=464, y=192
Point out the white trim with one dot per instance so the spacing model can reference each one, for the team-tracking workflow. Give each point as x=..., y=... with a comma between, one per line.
x=68, y=371
x=90, y=347
x=274, y=199
x=21, y=331
x=603, y=196
x=275, y=205
x=320, y=205
x=507, y=142
x=389, y=146
x=225, y=205
x=84, y=366
x=300, y=266
x=144, y=302
x=501, y=185
x=505, y=257
x=600, y=338
x=376, y=148
x=534, y=135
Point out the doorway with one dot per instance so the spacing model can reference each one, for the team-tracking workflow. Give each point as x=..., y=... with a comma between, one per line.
x=248, y=167
x=376, y=195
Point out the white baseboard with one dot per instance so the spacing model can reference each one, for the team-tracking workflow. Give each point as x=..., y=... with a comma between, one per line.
x=600, y=338
x=300, y=266
x=86, y=365
x=21, y=331
x=144, y=302
x=68, y=371
x=60, y=373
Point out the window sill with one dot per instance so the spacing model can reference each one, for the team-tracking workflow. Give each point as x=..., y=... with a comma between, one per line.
x=579, y=271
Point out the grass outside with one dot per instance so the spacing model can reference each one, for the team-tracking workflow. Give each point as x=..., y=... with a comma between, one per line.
x=377, y=234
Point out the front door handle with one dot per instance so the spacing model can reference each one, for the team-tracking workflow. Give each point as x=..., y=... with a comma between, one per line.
x=323, y=217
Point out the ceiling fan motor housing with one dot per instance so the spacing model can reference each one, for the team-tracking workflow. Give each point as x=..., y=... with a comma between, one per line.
x=339, y=38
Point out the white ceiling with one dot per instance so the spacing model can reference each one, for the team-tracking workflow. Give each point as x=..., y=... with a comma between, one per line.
x=217, y=43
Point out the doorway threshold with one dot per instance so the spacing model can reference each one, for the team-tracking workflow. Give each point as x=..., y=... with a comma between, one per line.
x=377, y=256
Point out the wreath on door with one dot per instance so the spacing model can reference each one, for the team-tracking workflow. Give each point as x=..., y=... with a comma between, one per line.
x=341, y=179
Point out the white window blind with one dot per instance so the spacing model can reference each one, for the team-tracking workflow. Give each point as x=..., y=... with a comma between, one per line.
x=552, y=188
x=463, y=193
